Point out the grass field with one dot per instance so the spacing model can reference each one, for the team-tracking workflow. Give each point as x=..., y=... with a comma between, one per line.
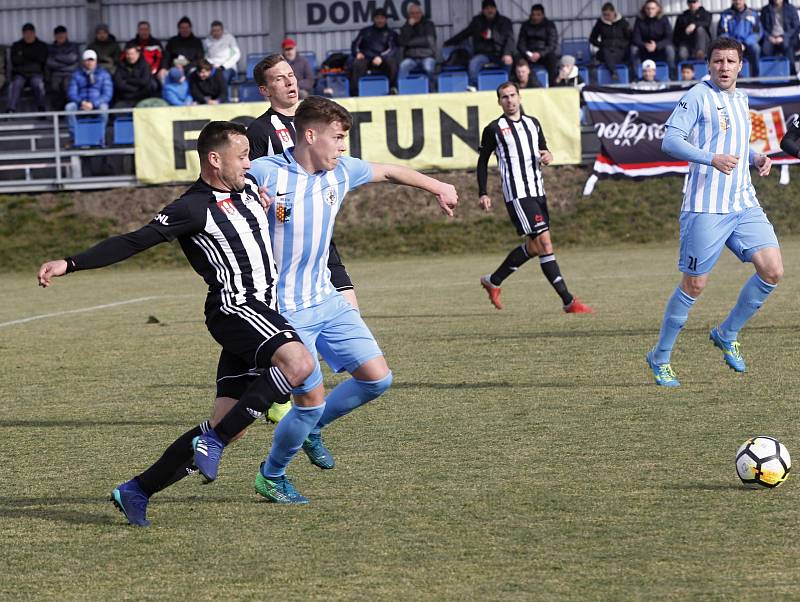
x=521, y=455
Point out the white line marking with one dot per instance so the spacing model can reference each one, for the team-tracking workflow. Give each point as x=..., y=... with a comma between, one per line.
x=80, y=311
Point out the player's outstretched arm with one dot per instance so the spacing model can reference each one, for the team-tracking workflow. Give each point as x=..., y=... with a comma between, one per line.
x=50, y=270
x=445, y=193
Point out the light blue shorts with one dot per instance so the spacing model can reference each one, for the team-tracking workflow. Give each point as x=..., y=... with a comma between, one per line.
x=337, y=331
x=704, y=234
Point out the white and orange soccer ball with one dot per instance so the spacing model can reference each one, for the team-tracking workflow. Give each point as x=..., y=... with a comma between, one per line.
x=763, y=462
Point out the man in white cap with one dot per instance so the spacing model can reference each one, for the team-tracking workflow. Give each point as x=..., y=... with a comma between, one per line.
x=90, y=89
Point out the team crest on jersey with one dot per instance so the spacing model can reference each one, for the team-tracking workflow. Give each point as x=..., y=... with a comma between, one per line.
x=227, y=206
x=330, y=196
x=724, y=120
x=283, y=209
x=284, y=135
x=505, y=131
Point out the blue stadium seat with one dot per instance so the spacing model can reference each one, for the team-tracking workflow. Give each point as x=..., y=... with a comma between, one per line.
x=89, y=131
x=700, y=68
x=745, y=72
x=373, y=85
x=543, y=77
x=604, y=75
x=773, y=66
x=337, y=82
x=583, y=72
x=249, y=92
x=579, y=48
x=489, y=79
x=123, y=130
x=311, y=57
x=453, y=81
x=662, y=72
x=413, y=84
x=252, y=61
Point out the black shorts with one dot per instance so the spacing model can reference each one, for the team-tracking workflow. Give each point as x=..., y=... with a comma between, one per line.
x=529, y=215
x=249, y=334
x=339, y=276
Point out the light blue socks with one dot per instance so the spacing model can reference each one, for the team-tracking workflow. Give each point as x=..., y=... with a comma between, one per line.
x=288, y=437
x=350, y=394
x=675, y=316
x=754, y=292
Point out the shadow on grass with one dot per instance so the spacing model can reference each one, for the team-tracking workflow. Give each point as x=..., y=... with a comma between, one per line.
x=420, y=316
x=707, y=487
x=565, y=384
x=77, y=423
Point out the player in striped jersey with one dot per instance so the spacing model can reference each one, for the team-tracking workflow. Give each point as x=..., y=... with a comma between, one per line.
x=221, y=226
x=309, y=184
x=271, y=134
x=710, y=128
x=519, y=143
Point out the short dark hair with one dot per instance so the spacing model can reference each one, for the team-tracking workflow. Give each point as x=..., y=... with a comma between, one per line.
x=538, y=7
x=216, y=135
x=521, y=60
x=318, y=109
x=60, y=29
x=133, y=45
x=204, y=65
x=608, y=6
x=185, y=19
x=725, y=44
x=268, y=62
x=216, y=23
x=140, y=23
x=28, y=27
x=508, y=84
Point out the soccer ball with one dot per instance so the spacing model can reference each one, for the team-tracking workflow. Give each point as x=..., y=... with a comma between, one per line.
x=763, y=462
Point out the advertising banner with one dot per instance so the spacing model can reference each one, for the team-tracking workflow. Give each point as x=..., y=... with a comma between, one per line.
x=422, y=131
x=630, y=126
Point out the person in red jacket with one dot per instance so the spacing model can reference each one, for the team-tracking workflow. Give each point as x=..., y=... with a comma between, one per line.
x=150, y=47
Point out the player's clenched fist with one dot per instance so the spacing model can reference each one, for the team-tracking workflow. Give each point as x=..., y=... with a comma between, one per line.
x=724, y=163
x=447, y=197
x=485, y=202
x=50, y=270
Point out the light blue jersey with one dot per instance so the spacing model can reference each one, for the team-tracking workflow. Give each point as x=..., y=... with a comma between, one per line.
x=301, y=222
x=716, y=122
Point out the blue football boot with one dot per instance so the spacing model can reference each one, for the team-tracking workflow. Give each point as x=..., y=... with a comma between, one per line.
x=317, y=452
x=207, y=454
x=132, y=502
x=730, y=350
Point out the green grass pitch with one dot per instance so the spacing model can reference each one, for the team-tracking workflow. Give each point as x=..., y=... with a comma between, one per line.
x=520, y=455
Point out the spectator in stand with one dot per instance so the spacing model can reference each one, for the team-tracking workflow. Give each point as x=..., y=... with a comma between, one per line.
x=90, y=89
x=106, y=47
x=207, y=85
x=492, y=37
x=781, y=26
x=28, y=59
x=687, y=72
x=63, y=57
x=222, y=51
x=568, y=74
x=176, y=88
x=133, y=81
x=3, y=51
x=303, y=72
x=185, y=44
x=652, y=37
x=692, y=33
x=374, y=50
x=742, y=24
x=538, y=41
x=150, y=47
x=648, y=81
x=523, y=76
x=417, y=41
x=611, y=35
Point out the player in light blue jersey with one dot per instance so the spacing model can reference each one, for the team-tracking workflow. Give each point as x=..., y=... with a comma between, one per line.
x=710, y=128
x=308, y=185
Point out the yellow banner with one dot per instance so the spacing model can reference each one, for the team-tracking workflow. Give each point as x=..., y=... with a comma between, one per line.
x=425, y=132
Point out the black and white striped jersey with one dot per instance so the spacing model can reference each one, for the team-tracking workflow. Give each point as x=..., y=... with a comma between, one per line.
x=518, y=145
x=224, y=235
x=270, y=134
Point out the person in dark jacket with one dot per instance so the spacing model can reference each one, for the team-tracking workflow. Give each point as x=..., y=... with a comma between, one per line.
x=303, y=72
x=90, y=89
x=63, y=57
x=184, y=44
x=107, y=48
x=28, y=59
x=652, y=37
x=492, y=37
x=538, y=41
x=692, y=33
x=132, y=79
x=781, y=26
x=522, y=75
x=151, y=48
x=417, y=41
x=207, y=84
x=611, y=35
x=374, y=50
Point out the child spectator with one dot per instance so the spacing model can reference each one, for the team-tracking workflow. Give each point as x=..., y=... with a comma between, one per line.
x=207, y=85
x=176, y=89
x=648, y=81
